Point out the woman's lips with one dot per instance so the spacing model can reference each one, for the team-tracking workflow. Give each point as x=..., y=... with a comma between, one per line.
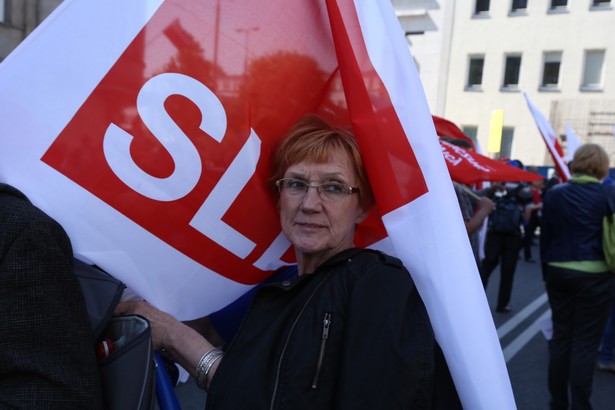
x=307, y=225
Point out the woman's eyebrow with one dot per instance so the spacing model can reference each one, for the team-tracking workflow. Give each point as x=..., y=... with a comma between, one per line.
x=297, y=175
x=321, y=178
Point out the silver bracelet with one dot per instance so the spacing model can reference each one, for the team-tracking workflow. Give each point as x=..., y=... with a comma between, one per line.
x=205, y=364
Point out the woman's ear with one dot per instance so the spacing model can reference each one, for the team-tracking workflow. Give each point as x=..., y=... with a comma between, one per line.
x=362, y=215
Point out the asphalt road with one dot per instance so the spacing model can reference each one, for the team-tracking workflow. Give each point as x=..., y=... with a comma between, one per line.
x=525, y=346
x=523, y=343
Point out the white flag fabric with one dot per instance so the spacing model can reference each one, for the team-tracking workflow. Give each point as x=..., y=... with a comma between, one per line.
x=572, y=142
x=550, y=139
x=147, y=137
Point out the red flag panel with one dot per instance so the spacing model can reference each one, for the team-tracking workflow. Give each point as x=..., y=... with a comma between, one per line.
x=469, y=167
x=186, y=103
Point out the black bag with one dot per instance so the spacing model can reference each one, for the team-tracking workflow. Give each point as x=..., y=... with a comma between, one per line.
x=128, y=374
x=124, y=343
x=506, y=217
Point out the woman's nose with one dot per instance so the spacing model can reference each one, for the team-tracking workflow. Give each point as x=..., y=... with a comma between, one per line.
x=311, y=199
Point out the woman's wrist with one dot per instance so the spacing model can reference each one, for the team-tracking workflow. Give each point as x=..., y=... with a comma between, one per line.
x=205, y=367
x=186, y=347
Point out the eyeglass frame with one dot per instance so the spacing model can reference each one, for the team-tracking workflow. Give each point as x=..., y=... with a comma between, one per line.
x=349, y=190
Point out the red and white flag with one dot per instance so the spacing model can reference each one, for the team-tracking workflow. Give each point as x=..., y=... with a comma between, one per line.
x=145, y=127
x=550, y=138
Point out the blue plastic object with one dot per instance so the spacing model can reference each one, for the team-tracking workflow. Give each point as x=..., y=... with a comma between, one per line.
x=165, y=391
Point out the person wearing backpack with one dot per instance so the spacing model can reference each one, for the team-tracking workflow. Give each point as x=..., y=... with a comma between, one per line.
x=577, y=277
x=503, y=242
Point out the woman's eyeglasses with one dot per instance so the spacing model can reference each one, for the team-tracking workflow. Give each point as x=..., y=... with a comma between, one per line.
x=331, y=191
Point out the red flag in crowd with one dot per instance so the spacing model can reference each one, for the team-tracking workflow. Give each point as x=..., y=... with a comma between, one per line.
x=550, y=139
x=446, y=128
x=469, y=167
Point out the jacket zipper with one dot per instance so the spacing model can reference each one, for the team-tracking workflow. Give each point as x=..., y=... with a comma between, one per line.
x=326, y=323
x=290, y=332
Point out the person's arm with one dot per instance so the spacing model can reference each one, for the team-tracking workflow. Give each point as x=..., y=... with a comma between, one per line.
x=529, y=208
x=207, y=329
x=484, y=207
x=46, y=341
x=182, y=343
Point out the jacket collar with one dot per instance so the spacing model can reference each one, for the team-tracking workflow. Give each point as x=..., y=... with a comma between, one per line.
x=583, y=179
x=342, y=256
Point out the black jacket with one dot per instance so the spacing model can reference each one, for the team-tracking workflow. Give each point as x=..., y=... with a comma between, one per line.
x=47, y=359
x=352, y=335
x=571, y=226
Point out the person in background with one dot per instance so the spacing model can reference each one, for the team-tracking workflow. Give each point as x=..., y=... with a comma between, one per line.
x=531, y=218
x=503, y=242
x=346, y=329
x=577, y=278
x=475, y=206
x=606, y=361
x=554, y=180
x=47, y=358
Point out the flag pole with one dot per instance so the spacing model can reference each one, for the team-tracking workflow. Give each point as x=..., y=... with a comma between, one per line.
x=471, y=193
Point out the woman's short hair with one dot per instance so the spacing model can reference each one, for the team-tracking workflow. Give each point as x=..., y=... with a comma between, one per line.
x=592, y=160
x=312, y=139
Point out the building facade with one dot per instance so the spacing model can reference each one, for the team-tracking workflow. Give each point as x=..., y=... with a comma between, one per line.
x=428, y=27
x=18, y=18
x=560, y=53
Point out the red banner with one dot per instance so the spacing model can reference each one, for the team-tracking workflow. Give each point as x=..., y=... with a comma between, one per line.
x=469, y=167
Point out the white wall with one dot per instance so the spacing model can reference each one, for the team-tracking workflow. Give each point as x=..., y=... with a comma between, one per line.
x=571, y=32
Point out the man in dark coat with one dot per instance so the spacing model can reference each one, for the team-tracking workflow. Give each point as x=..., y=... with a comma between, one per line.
x=47, y=357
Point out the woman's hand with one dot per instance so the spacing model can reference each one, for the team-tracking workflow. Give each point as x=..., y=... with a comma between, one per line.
x=183, y=344
x=162, y=323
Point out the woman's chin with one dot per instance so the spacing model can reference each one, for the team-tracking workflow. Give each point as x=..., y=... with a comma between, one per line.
x=310, y=247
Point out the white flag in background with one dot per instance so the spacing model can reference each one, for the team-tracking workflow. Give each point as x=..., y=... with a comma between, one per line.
x=572, y=142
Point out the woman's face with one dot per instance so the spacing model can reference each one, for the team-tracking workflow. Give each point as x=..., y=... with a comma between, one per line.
x=319, y=227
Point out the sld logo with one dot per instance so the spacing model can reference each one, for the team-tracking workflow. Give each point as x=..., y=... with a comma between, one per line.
x=188, y=166
x=185, y=178
x=180, y=147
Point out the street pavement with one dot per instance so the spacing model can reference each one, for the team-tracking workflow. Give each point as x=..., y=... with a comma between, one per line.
x=523, y=344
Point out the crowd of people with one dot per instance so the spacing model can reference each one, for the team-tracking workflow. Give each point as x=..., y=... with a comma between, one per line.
x=343, y=328
x=579, y=283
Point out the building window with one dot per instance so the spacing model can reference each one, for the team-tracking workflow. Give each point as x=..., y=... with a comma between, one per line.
x=506, y=144
x=593, y=70
x=511, y=71
x=475, y=72
x=550, y=70
x=601, y=4
x=518, y=5
x=556, y=4
x=471, y=131
x=481, y=7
